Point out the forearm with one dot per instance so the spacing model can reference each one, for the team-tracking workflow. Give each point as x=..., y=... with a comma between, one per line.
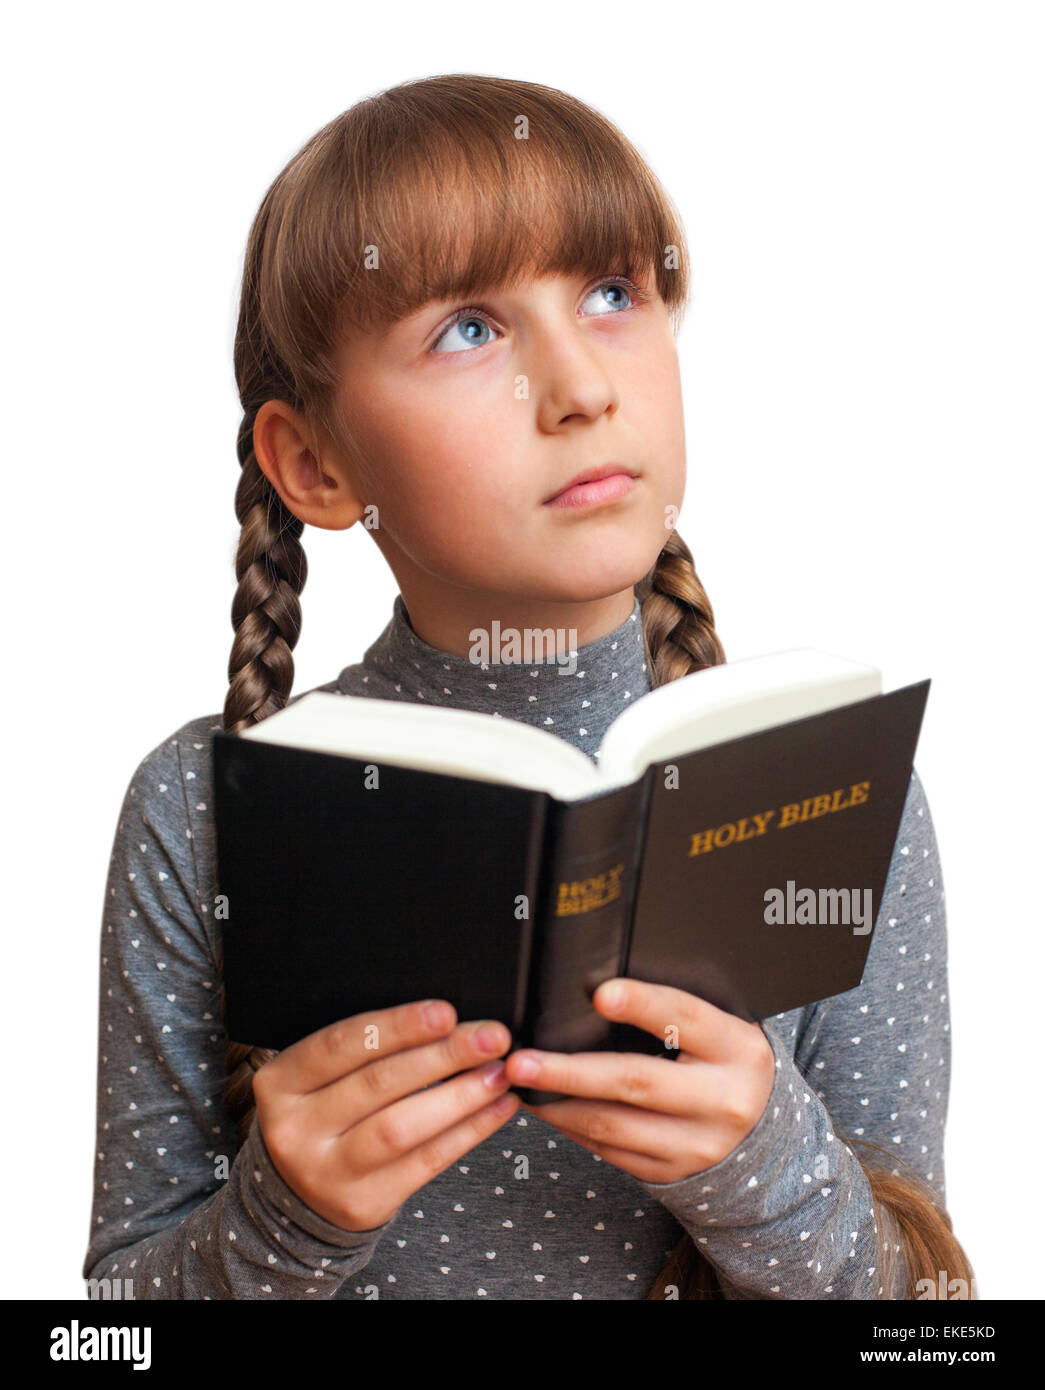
x=789, y=1214
x=251, y=1239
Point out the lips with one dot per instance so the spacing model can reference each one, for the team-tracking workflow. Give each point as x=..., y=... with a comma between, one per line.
x=592, y=475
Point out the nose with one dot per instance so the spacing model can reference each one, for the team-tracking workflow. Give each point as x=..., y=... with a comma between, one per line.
x=572, y=379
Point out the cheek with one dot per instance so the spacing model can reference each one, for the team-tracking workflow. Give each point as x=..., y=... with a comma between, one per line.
x=656, y=396
x=415, y=448
x=441, y=470
x=664, y=387
x=454, y=462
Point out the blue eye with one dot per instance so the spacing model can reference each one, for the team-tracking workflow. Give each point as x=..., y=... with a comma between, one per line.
x=466, y=330
x=461, y=334
x=613, y=287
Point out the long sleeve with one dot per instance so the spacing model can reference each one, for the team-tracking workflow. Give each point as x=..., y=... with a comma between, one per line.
x=179, y=1209
x=788, y=1214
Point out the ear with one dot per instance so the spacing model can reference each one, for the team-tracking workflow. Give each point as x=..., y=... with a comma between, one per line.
x=305, y=468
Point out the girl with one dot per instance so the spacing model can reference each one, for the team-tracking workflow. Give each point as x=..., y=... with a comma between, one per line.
x=459, y=303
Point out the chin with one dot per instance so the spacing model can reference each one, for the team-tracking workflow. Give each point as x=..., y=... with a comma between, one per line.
x=591, y=586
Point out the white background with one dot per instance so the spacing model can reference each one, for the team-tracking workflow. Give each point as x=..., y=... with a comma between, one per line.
x=861, y=186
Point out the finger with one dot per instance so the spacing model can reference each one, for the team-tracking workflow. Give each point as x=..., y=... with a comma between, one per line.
x=435, y=1154
x=641, y=1166
x=654, y=1083
x=386, y=1080
x=622, y=1127
x=695, y=1025
x=396, y=1130
x=341, y=1047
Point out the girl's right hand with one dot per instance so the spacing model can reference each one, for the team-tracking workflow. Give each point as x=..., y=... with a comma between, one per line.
x=347, y=1126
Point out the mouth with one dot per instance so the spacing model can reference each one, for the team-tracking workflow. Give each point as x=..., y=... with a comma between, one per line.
x=596, y=485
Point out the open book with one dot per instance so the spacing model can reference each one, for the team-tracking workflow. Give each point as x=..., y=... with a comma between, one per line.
x=733, y=840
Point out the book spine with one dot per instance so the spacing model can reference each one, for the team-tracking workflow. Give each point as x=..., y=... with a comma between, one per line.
x=635, y=877
x=583, y=915
x=624, y=1037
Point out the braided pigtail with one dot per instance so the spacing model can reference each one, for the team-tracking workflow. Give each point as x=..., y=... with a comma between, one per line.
x=266, y=617
x=678, y=624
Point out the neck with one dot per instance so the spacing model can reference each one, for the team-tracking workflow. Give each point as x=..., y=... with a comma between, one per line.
x=576, y=699
x=541, y=627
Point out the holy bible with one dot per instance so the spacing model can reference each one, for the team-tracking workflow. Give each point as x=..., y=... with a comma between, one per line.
x=733, y=840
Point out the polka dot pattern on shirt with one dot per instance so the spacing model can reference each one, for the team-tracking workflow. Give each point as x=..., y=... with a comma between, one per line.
x=184, y=1211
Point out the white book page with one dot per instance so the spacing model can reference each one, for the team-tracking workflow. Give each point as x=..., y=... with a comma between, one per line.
x=728, y=701
x=706, y=707
x=433, y=738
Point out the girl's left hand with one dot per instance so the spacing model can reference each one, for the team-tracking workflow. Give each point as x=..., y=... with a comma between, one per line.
x=658, y=1119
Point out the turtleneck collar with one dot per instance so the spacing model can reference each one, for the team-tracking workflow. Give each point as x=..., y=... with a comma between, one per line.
x=608, y=675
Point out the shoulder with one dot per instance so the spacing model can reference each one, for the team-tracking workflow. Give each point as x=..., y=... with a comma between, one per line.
x=907, y=959
x=171, y=777
x=161, y=787
x=167, y=810
x=158, y=882
x=172, y=785
x=915, y=872
x=366, y=680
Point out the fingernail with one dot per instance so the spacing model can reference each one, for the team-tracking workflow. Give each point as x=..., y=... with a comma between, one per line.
x=526, y=1067
x=492, y=1073
x=435, y=1014
x=489, y=1037
x=612, y=996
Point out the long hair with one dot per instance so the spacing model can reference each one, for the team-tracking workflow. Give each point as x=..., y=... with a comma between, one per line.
x=450, y=184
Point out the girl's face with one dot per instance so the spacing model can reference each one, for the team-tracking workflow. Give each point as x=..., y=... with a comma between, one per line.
x=467, y=418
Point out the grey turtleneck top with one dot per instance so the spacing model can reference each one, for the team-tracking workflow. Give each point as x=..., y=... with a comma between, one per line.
x=182, y=1211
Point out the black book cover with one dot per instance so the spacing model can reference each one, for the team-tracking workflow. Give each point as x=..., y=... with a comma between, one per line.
x=350, y=885
x=815, y=804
